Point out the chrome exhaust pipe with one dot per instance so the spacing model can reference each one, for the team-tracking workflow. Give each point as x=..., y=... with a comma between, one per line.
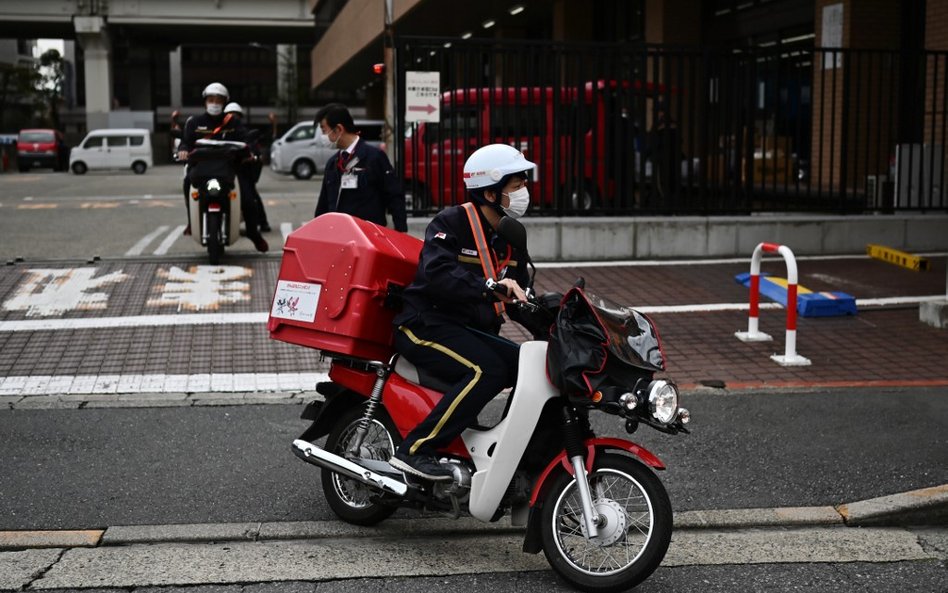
x=310, y=453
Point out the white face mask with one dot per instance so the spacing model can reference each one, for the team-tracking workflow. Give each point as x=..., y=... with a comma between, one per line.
x=214, y=108
x=519, y=200
x=334, y=144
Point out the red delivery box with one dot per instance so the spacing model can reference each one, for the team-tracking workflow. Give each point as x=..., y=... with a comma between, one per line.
x=336, y=274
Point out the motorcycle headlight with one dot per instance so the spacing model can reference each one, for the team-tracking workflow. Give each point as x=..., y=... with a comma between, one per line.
x=663, y=401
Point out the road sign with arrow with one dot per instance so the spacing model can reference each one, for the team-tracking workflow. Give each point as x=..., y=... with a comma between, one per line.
x=422, y=96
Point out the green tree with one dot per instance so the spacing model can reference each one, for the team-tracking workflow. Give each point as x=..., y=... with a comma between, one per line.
x=30, y=94
x=17, y=95
x=51, y=74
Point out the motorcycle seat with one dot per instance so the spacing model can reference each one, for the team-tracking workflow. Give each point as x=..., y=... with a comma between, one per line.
x=419, y=376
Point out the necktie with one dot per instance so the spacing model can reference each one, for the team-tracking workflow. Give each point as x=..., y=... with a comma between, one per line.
x=342, y=160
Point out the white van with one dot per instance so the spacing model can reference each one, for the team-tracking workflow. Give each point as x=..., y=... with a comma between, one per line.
x=303, y=150
x=113, y=149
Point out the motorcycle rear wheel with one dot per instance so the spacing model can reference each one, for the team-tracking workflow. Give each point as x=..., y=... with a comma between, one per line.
x=348, y=498
x=215, y=237
x=633, y=539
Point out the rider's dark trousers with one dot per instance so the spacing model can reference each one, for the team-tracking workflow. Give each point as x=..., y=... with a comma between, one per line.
x=478, y=366
x=248, y=203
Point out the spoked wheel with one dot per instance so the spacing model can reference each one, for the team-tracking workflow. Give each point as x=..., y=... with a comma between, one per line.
x=215, y=237
x=348, y=498
x=634, y=531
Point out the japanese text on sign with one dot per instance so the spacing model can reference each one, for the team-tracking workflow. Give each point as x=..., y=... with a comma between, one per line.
x=422, y=96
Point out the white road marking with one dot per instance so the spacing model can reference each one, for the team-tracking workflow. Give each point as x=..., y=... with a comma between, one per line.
x=700, y=262
x=169, y=240
x=202, y=287
x=22, y=385
x=133, y=321
x=285, y=229
x=54, y=291
x=139, y=248
x=28, y=325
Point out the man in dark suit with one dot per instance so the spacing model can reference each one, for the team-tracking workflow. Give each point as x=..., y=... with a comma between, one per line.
x=359, y=179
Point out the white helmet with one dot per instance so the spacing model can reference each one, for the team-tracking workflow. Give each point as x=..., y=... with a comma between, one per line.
x=489, y=164
x=234, y=107
x=216, y=88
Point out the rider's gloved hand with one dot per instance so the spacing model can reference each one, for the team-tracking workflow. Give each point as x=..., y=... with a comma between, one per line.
x=513, y=291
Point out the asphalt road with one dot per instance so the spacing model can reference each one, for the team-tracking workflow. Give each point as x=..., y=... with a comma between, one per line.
x=99, y=467
x=46, y=215
x=88, y=468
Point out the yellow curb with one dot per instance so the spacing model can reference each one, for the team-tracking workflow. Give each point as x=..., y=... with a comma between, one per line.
x=50, y=539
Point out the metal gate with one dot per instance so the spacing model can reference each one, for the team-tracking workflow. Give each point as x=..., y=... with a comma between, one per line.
x=622, y=129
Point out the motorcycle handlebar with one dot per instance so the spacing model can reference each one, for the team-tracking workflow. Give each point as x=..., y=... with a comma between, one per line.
x=499, y=288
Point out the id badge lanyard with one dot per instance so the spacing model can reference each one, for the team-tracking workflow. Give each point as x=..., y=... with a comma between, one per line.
x=347, y=171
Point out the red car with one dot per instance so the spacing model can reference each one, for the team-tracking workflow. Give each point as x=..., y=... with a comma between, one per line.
x=41, y=148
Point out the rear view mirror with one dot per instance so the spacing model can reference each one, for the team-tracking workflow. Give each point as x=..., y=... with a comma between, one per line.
x=513, y=231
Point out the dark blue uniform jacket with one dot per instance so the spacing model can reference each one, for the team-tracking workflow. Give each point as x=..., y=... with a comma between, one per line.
x=377, y=187
x=449, y=284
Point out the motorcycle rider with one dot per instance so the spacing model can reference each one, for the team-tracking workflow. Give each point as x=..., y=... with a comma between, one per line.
x=450, y=318
x=250, y=172
x=176, y=133
x=213, y=124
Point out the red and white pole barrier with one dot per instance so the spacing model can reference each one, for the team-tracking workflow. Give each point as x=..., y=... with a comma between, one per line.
x=753, y=334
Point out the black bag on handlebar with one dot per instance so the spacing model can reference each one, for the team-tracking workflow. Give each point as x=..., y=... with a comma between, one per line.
x=577, y=350
x=215, y=162
x=590, y=342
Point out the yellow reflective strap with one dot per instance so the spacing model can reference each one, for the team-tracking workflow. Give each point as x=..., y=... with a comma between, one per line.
x=483, y=251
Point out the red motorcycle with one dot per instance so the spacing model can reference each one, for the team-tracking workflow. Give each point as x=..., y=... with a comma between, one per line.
x=593, y=505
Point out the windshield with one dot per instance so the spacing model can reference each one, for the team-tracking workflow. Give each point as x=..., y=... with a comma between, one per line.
x=631, y=336
x=37, y=137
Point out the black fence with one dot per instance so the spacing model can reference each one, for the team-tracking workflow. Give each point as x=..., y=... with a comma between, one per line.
x=659, y=130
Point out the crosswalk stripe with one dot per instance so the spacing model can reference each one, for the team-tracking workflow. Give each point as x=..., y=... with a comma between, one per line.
x=143, y=243
x=76, y=323
x=27, y=385
x=169, y=240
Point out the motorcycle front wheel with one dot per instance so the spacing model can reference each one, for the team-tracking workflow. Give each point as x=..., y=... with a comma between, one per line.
x=348, y=498
x=634, y=532
x=215, y=237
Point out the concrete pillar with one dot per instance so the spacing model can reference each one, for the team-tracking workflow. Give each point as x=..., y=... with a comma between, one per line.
x=174, y=72
x=287, y=79
x=93, y=36
x=572, y=21
x=139, y=79
x=935, y=313
x=674, y=22
x=839, y=111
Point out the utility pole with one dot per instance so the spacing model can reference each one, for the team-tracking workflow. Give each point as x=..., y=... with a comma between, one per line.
x=388, y=136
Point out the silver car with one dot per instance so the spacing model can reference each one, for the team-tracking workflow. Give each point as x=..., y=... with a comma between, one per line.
x=303, y=150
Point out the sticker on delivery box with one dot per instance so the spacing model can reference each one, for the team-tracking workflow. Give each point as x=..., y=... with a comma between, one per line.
x=296, y=301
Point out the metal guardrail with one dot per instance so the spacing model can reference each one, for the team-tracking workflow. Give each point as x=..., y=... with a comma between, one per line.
x=662, y=130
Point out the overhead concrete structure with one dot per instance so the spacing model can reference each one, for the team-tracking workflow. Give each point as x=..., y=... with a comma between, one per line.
x=271, y=21
x=168, y=23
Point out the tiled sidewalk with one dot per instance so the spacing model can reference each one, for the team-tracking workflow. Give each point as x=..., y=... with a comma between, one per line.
x=880, y=345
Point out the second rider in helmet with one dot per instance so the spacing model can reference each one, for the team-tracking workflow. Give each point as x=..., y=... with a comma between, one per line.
x=450, y=320
x=214, y=124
